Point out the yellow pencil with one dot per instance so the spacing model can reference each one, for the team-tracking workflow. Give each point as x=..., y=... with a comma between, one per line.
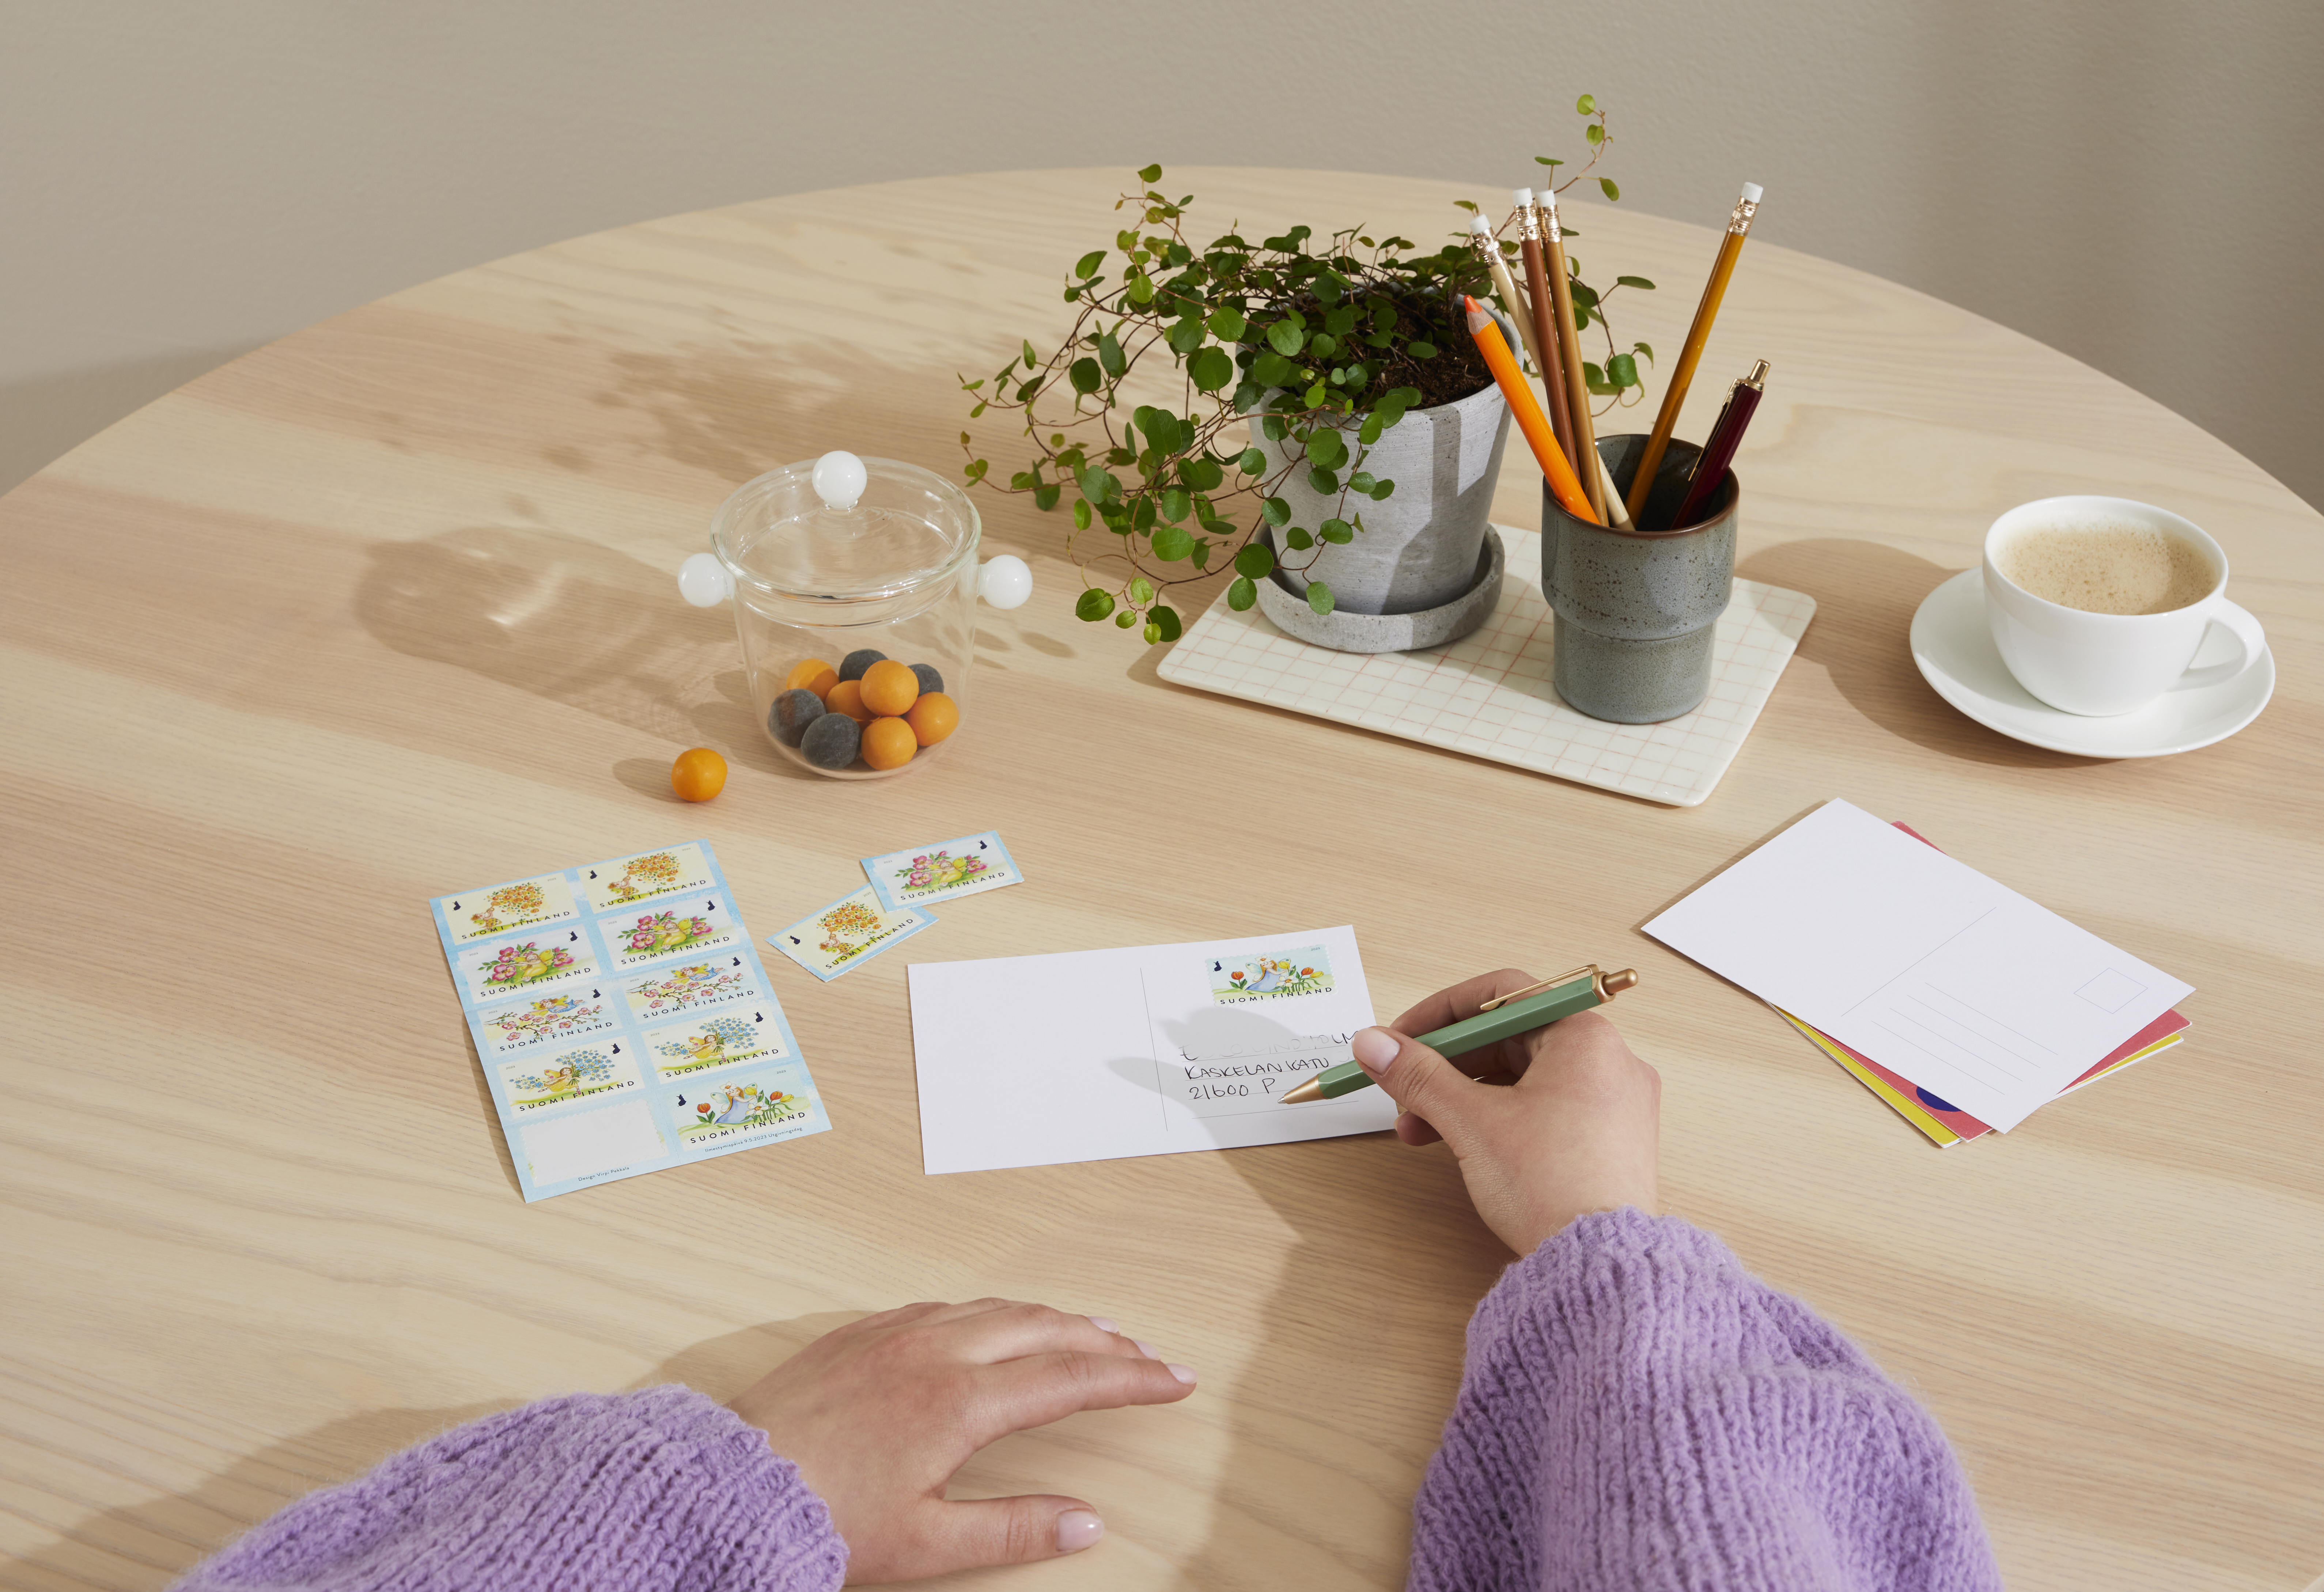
x=1698, y=334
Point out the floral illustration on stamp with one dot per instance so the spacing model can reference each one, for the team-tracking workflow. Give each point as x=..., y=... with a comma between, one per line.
x=718, y=1043
x=1270, y=975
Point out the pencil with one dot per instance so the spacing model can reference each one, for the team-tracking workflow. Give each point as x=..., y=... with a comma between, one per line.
x=1550, y=348
x=1719, y=452
x=1591, y=467
x=1503, y=366
x=1730, y=246
x=1505, y=286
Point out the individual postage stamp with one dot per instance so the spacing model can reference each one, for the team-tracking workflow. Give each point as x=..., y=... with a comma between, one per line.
x=740, y=1034
x=649, y=876
x=537, y=1083
x=684, y=928
x=1269, y=975
x=849, y=931
x=968, y=866
x=525, y=1027
x=502, y=909
x=677, y=988
x=494, y=969
x=726, y=1113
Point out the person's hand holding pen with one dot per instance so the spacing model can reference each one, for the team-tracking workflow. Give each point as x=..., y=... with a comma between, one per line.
x=1576, y=1129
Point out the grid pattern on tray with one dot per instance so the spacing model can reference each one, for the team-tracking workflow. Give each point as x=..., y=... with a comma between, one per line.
x=1489, y=694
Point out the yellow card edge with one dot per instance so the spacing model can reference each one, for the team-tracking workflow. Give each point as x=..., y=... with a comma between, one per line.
x=1938, y=1134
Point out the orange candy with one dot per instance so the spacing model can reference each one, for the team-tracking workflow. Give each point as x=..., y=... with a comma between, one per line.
x=699, y=774
x=933, y=717
x=890, y=688
x=814, y=675
x=889, y=743
x=847, y=698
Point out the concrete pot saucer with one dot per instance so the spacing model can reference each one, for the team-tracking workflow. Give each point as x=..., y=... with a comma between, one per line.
x=1345, y=631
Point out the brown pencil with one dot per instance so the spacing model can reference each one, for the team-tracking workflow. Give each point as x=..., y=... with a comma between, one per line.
x=1577, y=386
x=1544, y=328
x=1730, y=246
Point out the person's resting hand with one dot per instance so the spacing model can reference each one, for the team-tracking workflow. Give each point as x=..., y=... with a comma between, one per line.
x=1575, y=1131
x=878, y=1414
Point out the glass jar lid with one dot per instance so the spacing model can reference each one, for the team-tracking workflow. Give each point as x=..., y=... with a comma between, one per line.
x=842, y=529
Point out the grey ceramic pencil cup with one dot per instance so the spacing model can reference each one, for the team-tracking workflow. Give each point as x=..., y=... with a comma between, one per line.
x=1637, y=612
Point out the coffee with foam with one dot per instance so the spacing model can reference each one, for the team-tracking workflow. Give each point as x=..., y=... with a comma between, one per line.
x=2103, y=566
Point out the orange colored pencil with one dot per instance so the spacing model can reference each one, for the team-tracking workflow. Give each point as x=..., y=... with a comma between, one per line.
x=1529, y=418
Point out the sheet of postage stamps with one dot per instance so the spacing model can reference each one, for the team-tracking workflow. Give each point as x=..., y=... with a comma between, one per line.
x=921, y=875
x=841, y=936
x=609, y=1003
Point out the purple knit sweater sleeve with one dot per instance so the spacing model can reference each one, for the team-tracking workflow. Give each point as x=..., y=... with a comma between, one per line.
x=639, y=1492
x=1637, y=1412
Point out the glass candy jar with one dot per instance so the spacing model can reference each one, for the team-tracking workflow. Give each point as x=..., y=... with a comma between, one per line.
x=854, y=583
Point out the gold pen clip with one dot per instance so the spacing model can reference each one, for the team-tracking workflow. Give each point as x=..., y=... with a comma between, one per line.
x=1588, y=967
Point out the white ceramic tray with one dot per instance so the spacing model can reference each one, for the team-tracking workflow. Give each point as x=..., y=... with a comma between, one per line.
x=1489, y=694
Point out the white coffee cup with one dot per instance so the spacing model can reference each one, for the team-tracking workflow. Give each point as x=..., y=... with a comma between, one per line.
x=2100, y=665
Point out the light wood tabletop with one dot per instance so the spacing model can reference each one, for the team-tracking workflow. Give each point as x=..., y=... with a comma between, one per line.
x=387, y=608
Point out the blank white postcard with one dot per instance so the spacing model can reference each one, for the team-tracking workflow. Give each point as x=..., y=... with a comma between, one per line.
x=1091, y=1055
x=1920, y=962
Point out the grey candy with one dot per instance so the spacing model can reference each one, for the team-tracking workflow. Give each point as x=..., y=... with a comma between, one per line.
x=1418, y=549
x=1637, y=612
x=1346, y=631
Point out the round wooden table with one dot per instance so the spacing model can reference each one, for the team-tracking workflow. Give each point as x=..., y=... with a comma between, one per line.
x=387, y=608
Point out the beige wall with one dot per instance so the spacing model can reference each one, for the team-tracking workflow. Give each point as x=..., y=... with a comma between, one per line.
x=2134, y=181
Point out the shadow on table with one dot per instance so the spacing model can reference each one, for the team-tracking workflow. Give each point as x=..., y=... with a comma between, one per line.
x=563, y=618
x=150, y=1545
x=1866, y=594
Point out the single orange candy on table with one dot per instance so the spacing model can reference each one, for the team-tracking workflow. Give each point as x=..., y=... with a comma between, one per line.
x=847, y=698
x=889, y=743
x=814, y=675
x=933, y=717
x=890, y=688
x=699, y=774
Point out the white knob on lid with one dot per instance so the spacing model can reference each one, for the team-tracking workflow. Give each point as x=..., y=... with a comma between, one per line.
x=1004, y=580
x=704, y=581
x=839, y=479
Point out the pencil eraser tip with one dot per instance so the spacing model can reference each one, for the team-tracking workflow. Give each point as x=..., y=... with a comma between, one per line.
x=1521, y=197
x=1751, y=192
x=1477, y=225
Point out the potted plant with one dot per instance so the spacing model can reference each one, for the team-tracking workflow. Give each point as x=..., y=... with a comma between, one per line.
x=1348, y=359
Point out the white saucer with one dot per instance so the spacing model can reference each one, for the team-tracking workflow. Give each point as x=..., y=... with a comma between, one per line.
x=1954, y=647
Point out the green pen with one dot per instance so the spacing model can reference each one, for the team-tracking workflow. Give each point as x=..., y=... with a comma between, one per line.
x=1503, y=1018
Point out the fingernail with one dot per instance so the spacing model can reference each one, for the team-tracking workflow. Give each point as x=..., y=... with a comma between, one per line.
x=1375, y=1048
x=1078, y=1529
x=1148, y=1350
x=1103, y=1325
x=1184, y=1374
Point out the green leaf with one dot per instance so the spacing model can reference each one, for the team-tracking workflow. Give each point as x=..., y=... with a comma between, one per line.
x=1187, y=336
x=1635, y=282
x=1270, y=368
x=1252, y=462
x=1594, y=134
x=1323, y=480
x=1081, y=514
x=1464, y=205
x=1110, y=356
x=1125, y=619
x=1210, y=370
x=1175, y=504
x=1315, y=395
x=1319, y=596
x=1325, y=450
x=1032, y=360
x=1595, y=380
x=1141, y=516
x=1141, y=591
x=1338, y=532
x=1297, y=540
x=1085, y=266
x=1045, y=496
x=1086, y=376
x=1379, y=493
x=1274, y=512
x=1142, y=289
x=1622, y=371
x=1094, y=605
x=1369, y=432
x=1642, y=348
x=1285, y=338
x=1421, y=348
x=1171, y=544
x=1098, y=485
x=1150, y=174
x=1202, y=555
x=1606, y=185
x=1153, y=633
x=1167, y=622
x=1242, y=594
x=1587, y=106
x=1227, y=324
x=1203, y=474
x=1254, y=562
x=1362, y=481
x=1547, y=161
